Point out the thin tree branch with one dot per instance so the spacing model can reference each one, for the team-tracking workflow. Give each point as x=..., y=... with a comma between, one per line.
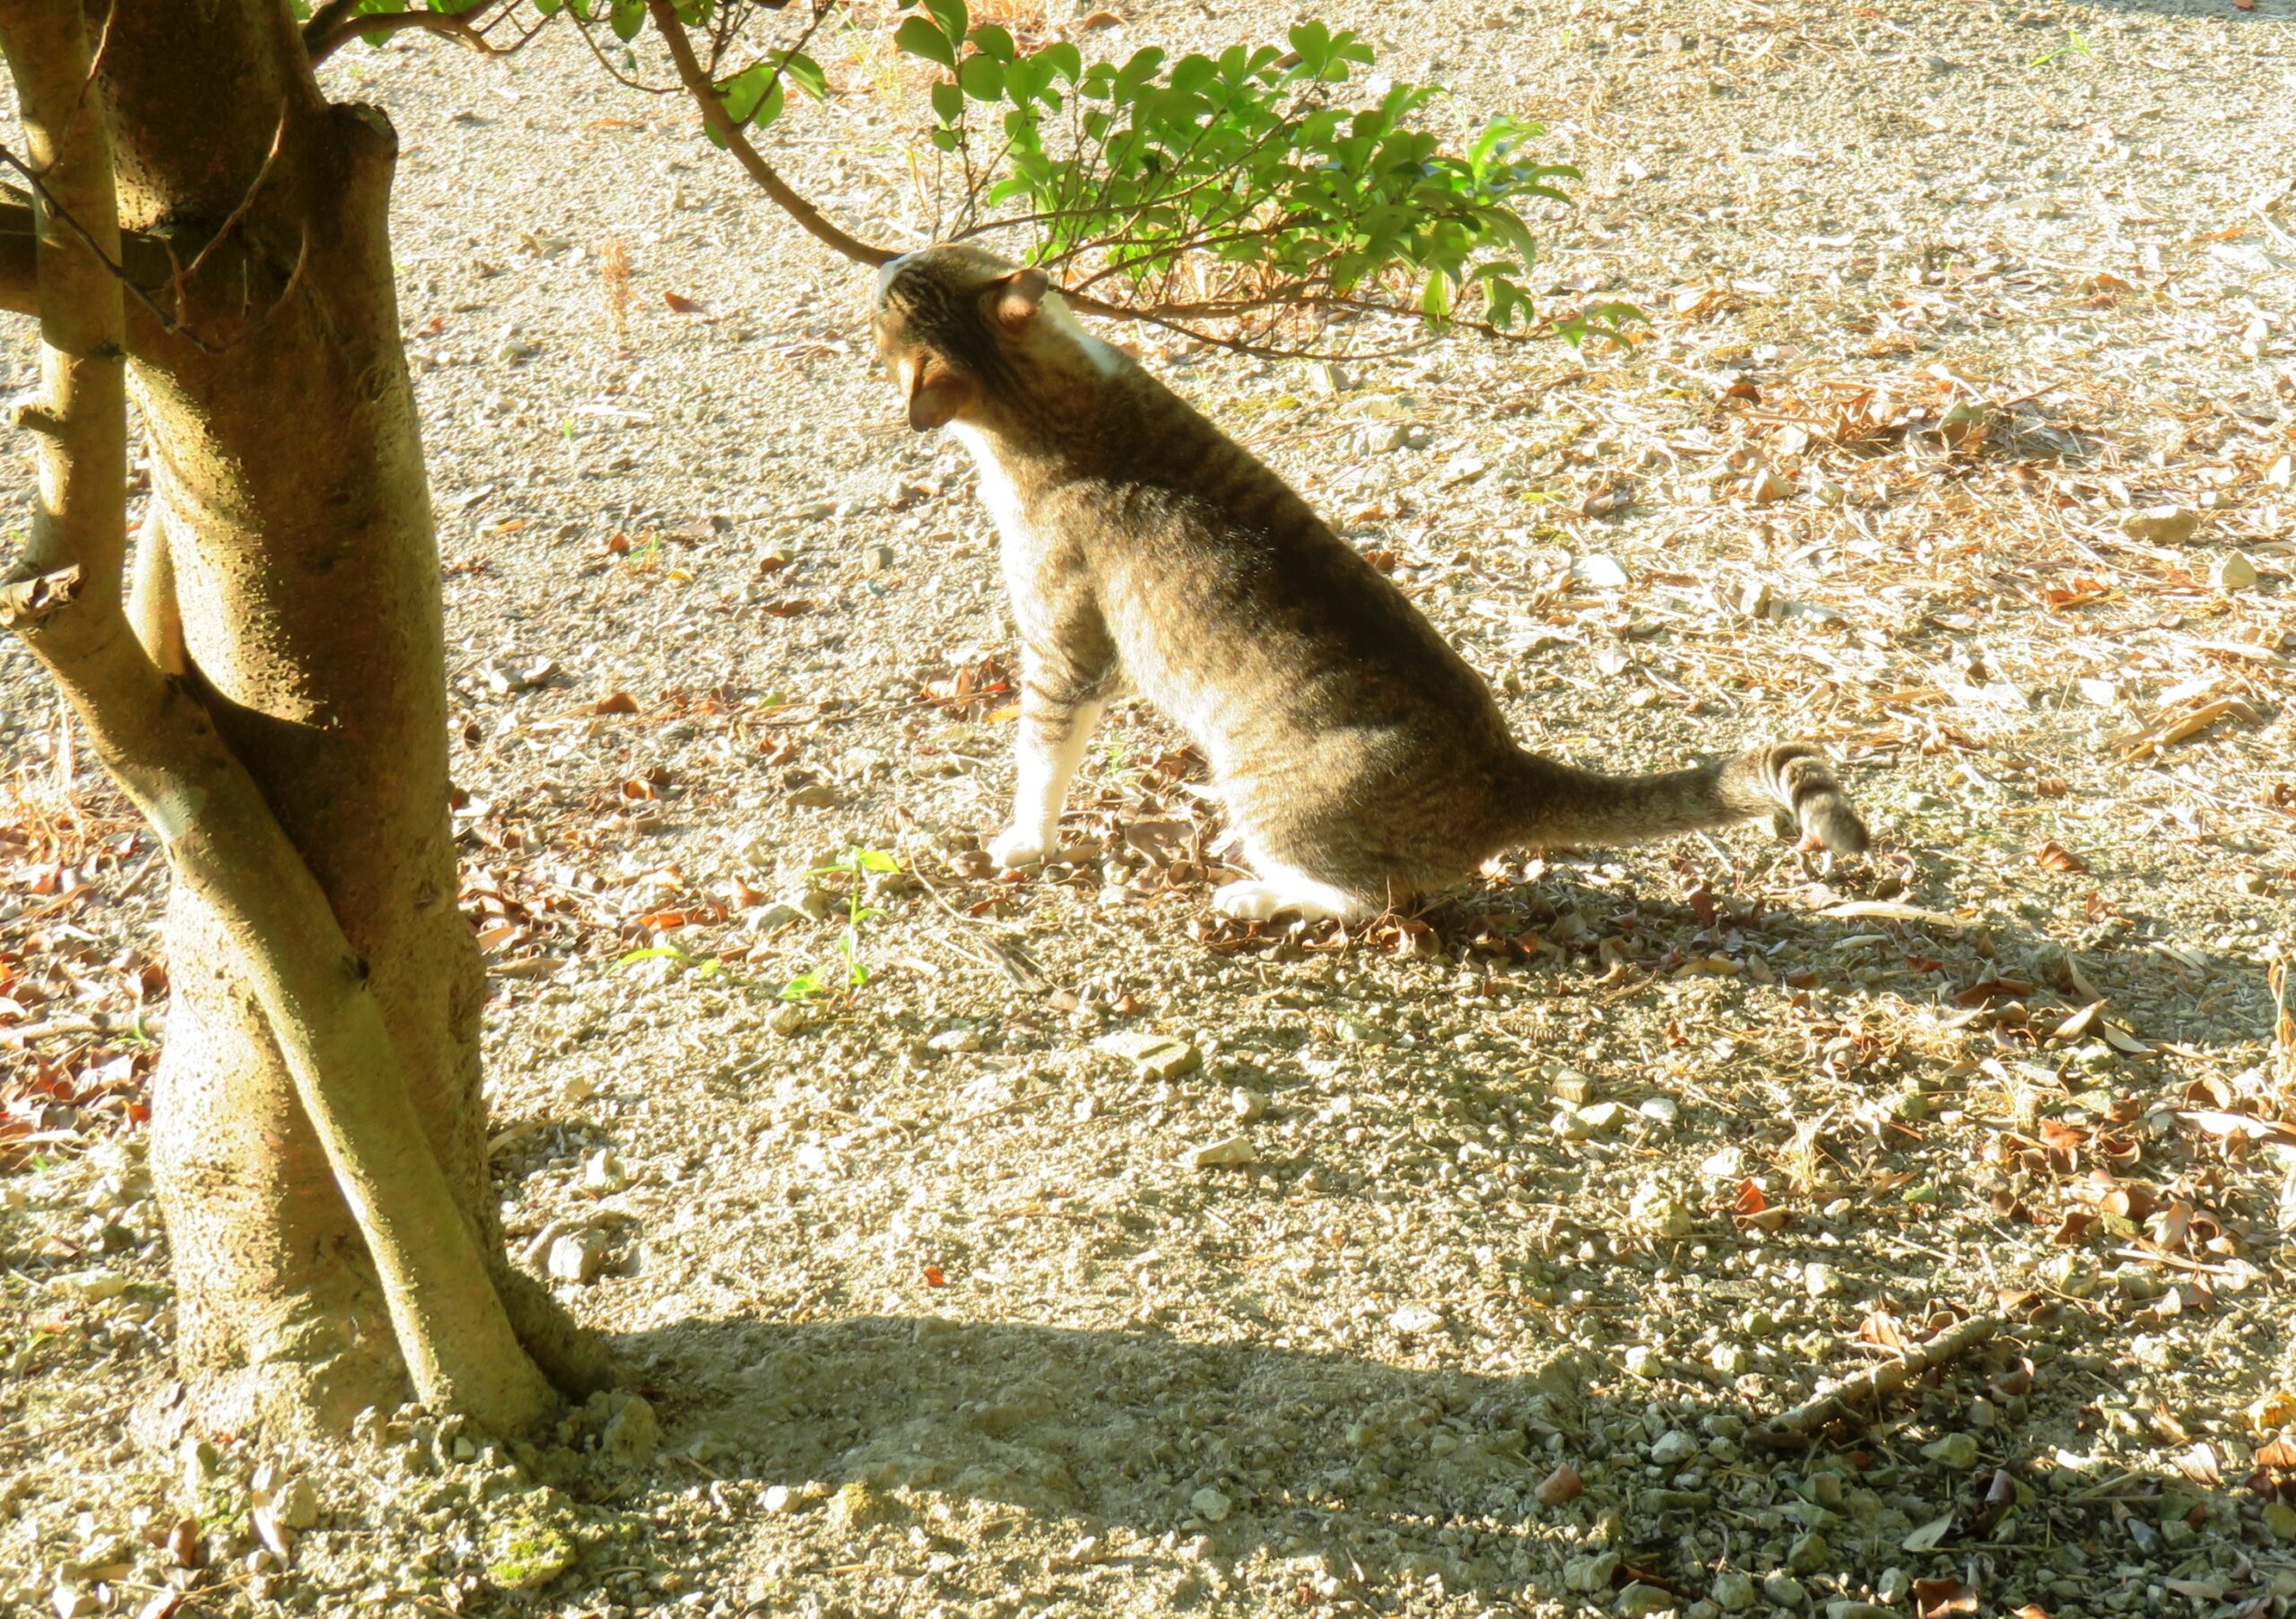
x=336, y=24
x=582, y=27
x=1294, y=295
x=44, y=204
x=146, y=266
x=238, y=211
x=325, y=19
x=720, y=123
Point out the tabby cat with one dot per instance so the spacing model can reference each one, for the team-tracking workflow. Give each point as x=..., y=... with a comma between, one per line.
x=1360, y=758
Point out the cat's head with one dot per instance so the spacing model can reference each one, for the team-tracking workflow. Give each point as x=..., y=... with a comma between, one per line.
x=966, y=335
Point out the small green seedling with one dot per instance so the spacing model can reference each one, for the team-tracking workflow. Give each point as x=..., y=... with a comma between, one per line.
x=2073, y=45
x=859, y=865
x=702, y=967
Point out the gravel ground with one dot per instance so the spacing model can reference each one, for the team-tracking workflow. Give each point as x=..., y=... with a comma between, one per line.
x=1098, y=1255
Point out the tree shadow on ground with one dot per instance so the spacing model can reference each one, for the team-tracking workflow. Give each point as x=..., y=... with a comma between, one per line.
x=1267, y=1474
x=2265, y=11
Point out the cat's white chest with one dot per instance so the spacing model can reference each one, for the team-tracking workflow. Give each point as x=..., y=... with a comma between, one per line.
x=997, y=491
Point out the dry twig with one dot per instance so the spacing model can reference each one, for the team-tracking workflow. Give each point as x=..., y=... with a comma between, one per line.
x=1791, y=1430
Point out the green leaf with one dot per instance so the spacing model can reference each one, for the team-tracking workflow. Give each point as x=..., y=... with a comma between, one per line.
x=1134, y=76
x=806, y=74
x=981, y=78
x=951, y=15
x=948, y=102
x=769, y=107
x=1065, y=59
x=995, y=42
x=920, y=38
x=626, y=19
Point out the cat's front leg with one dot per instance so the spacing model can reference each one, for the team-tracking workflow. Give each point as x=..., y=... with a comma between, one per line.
x=1056, y=719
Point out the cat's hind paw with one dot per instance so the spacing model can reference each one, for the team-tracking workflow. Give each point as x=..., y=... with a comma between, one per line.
x=1256, y=901
x=1017, y=848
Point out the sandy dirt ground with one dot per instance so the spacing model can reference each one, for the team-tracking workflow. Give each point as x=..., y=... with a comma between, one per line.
x=1095, y=1256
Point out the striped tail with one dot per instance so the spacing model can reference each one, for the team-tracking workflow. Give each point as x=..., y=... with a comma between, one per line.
x=1787, y=783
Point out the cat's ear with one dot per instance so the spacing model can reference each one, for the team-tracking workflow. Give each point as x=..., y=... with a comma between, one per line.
x=935, y=394
x=1019, y=297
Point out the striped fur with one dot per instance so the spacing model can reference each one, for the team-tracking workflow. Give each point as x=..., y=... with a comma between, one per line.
x=1361, y=759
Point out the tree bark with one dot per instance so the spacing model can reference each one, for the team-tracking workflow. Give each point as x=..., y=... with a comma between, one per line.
x=323, y=1039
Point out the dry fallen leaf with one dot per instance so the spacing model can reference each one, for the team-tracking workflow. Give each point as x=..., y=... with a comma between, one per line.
x=1942, y=1598
x=679, y=303
x=2054, y=856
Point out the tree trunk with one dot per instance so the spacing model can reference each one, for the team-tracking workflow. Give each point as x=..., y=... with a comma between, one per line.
x=290, y=565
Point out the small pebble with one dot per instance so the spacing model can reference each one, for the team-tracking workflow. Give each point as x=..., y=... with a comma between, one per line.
x=2233, y=572
x=297, y=1504
x=1590, y=1573
x=788, y=1019
x=1955, y=1452
x=1808, y=1553
x=2160, y=524
x=1766, y=487
x=1673, y=1448
x=1652, y=1210
x=1642, y=1601
x=578, y=1257
x=1602, y=1116
x=1561, y=1487
x=1210, y=1504
x=1733, y=1593
x=1227, y=1152
x=1784, y=1589
x=1414, y=1319
x=603, y=1174
x=90, y=1286
x=631, y=1433
x=1153, y=1056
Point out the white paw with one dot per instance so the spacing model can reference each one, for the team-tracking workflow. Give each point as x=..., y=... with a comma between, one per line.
x=1254, y=901
x=1017, y=847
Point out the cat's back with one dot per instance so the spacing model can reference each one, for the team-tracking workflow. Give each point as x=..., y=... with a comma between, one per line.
x=1224, y=588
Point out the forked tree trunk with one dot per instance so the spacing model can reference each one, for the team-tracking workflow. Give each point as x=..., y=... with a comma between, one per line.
x=290, y=571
